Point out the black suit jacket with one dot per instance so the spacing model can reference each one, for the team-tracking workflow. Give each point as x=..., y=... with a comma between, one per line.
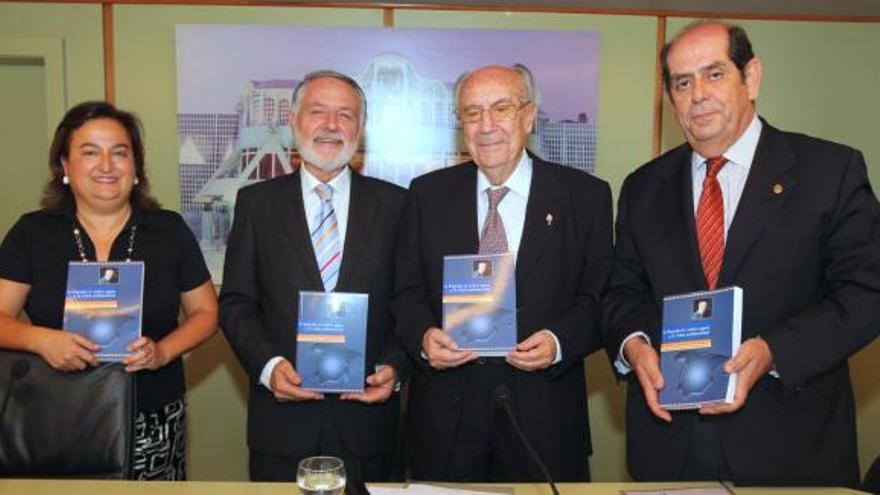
x=803, y=245
x=561, y=268
x=269, y=260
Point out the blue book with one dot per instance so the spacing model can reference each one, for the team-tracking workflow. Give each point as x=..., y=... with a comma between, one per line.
x=479, y=302
x=103, y=303
x=331, y=340
x=700, y=332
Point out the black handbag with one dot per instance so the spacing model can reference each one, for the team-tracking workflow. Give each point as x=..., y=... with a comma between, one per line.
x=64, y=424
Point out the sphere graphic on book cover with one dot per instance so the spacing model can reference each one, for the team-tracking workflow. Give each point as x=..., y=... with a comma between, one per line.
x=102, y=331
x=698, y=371
x=102, y=327
x=332, y=364
x=483, y=327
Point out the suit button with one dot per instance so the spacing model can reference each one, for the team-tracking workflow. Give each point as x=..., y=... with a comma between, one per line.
x=456, y=399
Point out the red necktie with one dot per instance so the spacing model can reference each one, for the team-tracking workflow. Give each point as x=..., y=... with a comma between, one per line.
x=710, y=222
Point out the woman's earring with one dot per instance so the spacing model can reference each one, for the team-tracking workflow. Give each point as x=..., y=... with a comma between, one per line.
x=136, y=180
x=65, y=180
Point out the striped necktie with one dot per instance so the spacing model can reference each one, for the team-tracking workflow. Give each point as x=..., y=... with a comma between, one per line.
x=493, y=239
x=710, y=222
x=325, y=238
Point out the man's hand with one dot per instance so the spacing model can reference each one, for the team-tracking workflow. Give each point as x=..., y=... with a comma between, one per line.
x=441, y=350
x=645, y=363
x=67, y=351
x=147, y=355
x=537, y=352
x=285, y=384
x=380, y=386
x=752, y=361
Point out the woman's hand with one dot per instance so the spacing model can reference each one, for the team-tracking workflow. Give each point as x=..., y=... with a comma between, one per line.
x=66, y=351
x=148, y=355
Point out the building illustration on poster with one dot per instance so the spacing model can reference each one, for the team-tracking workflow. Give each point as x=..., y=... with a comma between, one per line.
x=411, y=127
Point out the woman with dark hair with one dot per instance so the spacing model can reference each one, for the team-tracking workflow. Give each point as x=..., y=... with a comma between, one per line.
x=97, y=207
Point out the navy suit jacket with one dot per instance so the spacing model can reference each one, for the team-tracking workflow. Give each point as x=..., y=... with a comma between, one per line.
x=561, y=269
x=269, y=260
x=803, y=245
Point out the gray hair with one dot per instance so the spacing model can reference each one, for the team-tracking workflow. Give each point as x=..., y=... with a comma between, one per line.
x=532, y=93
x=332, y=74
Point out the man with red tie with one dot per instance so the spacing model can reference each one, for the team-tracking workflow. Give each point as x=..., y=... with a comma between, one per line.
x=789, y=218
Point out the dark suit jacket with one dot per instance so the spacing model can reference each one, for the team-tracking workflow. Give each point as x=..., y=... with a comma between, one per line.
x=560, y=271
x=269, y=260
x=807, y=260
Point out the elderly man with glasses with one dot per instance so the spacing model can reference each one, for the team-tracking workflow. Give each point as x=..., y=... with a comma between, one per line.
x=556, y=221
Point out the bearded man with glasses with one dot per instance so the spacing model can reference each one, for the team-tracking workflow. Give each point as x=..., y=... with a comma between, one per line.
x=557, y=223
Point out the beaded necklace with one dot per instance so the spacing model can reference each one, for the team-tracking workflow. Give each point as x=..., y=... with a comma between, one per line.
x=77, y=236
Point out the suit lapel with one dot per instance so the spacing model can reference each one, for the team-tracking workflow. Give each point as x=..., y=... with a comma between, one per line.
x=768, y=185
x=462, y=212
x=543, y=217
x=295, y=227
x=677, y=213
x=361, y=213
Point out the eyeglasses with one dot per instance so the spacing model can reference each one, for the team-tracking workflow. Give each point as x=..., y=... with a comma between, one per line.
x=502, y=111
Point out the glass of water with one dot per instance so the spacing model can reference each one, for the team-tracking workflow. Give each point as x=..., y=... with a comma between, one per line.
x=321, y=476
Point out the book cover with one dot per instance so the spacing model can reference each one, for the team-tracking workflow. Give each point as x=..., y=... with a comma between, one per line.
x=700, y=332
x=479, y=302
x=331, y=340
x=103, y=303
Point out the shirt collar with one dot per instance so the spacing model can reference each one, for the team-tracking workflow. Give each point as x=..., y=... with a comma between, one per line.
x=742, y=152
x=518, y=182
x=340, y=183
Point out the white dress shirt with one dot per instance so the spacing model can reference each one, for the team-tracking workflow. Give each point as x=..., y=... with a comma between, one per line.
x=732, y=179
x=512, y=210
x=732, y=176
x=341, y=185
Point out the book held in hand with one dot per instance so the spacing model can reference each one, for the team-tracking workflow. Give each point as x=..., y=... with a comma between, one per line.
x=103, y=303
x=331, y=340
x=479, y=302
x=700, y=332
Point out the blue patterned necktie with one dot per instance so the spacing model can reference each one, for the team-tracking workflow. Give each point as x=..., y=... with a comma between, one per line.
x=493, y=239
x=325, y=238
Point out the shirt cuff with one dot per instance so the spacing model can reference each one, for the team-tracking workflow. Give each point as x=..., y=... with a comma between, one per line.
x=397, y=384
x=558, y=356
x=266, y=375
x=773, y=371
x=621, y=364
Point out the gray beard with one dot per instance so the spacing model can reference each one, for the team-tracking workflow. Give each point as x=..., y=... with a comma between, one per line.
x=328, y=165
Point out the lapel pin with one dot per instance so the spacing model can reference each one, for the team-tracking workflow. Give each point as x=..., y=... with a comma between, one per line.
x=777, y=188
x=549, y=219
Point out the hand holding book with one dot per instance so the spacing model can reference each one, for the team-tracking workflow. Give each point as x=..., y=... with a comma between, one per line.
x=645, y=363
x=146, y=355
x=442, y=352
x=380, y=386
x=536, y=352
x=752, y=361
x=66, y=351
x=285, y=384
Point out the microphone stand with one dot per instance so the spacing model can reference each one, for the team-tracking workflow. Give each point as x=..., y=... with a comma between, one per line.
x=502, y=397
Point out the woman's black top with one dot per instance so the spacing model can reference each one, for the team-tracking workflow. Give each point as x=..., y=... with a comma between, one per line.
x=38, y=247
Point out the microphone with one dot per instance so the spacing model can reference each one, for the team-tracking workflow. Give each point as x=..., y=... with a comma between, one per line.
x=20, y=368
x=502, y=398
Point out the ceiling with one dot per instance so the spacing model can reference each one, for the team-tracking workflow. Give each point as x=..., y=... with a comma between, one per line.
x=745, y=8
